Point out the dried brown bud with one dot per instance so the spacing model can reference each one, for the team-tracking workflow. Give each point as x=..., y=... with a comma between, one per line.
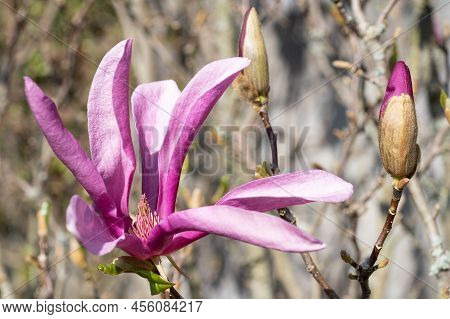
x=397, y=130
x=340, y=64
x=383, y=263
x=252, y=84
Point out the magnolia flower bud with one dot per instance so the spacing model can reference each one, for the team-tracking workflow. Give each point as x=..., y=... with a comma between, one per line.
x=252, y=84
x=397, y=127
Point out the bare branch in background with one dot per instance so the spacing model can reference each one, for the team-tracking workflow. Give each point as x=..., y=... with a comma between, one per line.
x=440, y=255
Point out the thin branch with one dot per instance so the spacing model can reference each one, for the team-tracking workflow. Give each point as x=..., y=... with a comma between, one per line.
x=273, y=141
x=441, y=257
x=173, y=293
x=384, y=14
x=372, y=189
x=287, y=215
x=46, y=288
x=435, y=149
x=367, y=268
x=360, y=17
x=314, y=271
x=356, y=69
x=178, y=268
x=348, y=18
x=396, y=196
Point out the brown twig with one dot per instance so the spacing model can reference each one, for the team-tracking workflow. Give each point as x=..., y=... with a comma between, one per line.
x=317, y=275
x=273, y=141
x=173, y=293
x=397, y=191
x=287, y=215
x=367, y=268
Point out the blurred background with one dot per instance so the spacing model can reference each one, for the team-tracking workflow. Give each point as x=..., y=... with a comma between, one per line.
x=323, y=109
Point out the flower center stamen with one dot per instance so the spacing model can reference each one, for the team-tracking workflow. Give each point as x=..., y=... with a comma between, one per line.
x=145, y=220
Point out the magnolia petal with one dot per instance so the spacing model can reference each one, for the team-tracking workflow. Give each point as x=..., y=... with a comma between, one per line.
x=152, y=105
x=248, y=226
x=134, y=247
x=89, y=227
x=69, y=151
x=243, y=33
x=193, y=106
x=291, y=189
x=182, y=240
x=109, y=124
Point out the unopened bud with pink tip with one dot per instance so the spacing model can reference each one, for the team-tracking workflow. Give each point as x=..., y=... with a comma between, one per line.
x=397, y=127
x=252, y=84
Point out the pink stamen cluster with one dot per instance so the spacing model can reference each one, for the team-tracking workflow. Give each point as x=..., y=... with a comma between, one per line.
x=145, y=220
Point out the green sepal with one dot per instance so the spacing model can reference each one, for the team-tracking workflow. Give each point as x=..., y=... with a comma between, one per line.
x=110, y=269
x=143, y=268
x=157, y=283
x=131, y=264
x=262, y=171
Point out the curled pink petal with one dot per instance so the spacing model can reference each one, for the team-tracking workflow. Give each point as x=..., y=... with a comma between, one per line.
x=109, y=124
x=192, y=107
x=89, y=227
x=70, y=152
x=290, y=189
x=152, y=105
x=248, y=226
x=182, y=240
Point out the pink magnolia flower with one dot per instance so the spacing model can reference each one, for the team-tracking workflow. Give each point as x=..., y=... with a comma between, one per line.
x=107, y=175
